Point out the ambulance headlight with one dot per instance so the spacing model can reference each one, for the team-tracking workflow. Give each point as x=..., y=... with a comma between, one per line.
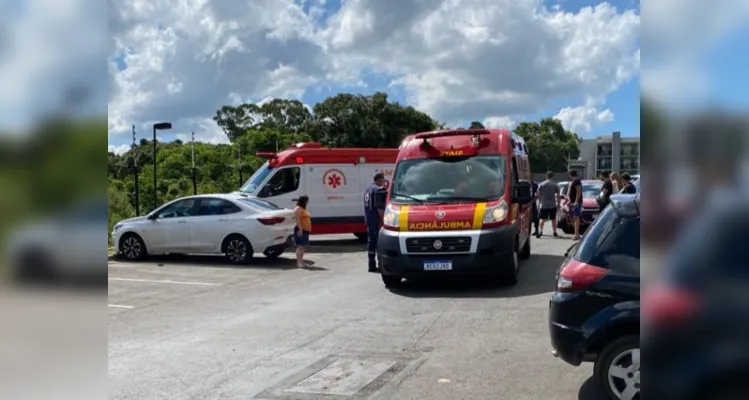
x=391, y=217
x=496, y=213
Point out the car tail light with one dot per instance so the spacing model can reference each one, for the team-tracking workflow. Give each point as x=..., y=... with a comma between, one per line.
x=271, y=220
x=665, y=306
x=576, y=275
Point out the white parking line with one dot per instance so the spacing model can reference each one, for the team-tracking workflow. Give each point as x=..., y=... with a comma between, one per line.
x=160, y=281
x=119, y=306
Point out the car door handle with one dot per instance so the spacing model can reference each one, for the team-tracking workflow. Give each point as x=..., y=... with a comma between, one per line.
x=181, y=222
x=294, y=200
x=224, y=220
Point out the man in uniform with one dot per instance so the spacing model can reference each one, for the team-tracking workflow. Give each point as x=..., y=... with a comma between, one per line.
x=374, y=208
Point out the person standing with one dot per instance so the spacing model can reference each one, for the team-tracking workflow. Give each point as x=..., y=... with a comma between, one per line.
x=534, y=207
x=575, y=192
x=607, y=189
x=629, y=187
x=616, y=182
x=373, y=212
x=549, y=197
x=302, y=228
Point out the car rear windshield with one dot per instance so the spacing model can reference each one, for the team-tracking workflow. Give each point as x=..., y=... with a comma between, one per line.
x=260, y=204
x=449, y=179
x=612, y=242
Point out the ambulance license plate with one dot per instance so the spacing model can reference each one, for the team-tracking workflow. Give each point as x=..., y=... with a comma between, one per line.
x=438, y=265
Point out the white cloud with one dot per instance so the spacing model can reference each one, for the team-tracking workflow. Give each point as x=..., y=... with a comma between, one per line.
x=583, y=118
x=47, y=51
x=206, y=131
x=119, y=149
x=500, y=122
x=492, y=60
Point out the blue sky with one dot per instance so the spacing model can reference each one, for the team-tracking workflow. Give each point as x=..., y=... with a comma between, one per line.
x=624, y=103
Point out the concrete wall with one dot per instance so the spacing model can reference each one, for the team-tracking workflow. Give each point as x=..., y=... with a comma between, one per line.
x=589, y=152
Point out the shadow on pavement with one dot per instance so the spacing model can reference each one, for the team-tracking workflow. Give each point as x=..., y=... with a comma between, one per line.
x=536, y=277
x=218, y=261
x=352, y=245
x=590, y=391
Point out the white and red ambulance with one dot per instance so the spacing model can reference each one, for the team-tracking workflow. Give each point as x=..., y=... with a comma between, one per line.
x=333, y=178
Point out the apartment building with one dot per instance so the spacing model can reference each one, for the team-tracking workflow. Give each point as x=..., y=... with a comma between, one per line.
x=611, y=153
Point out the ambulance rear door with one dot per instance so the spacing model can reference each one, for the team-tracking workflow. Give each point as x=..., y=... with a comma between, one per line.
x=335, y=193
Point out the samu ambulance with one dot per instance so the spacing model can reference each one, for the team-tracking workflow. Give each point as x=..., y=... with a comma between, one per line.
x=333, y=178
x=459, y=203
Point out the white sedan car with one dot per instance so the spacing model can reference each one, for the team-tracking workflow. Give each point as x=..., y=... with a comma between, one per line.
x=233, y=224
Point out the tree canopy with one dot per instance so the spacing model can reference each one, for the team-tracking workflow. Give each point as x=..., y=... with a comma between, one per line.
x=550, y=146
x=343, y=120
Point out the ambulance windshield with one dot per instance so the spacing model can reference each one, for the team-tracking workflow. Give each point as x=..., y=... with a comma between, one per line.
x=449, y=179
x=256, y=179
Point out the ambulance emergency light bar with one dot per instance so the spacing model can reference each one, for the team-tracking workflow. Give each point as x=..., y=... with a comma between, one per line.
x=456, y=132
x=475, y=133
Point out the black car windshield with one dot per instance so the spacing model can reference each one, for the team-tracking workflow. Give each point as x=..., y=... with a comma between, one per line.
x=449, y=179
x=256, y=179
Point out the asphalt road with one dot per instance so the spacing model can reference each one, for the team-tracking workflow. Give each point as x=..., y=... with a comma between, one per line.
x=196, y=328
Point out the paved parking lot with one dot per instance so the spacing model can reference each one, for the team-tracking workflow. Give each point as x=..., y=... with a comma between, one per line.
x=192, y=327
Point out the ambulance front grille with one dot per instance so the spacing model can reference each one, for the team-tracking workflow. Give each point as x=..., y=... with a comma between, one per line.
x=455, y=244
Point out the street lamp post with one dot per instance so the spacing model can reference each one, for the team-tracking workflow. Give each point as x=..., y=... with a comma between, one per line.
x=194, y=175
x=135, y=175
x=157, y=127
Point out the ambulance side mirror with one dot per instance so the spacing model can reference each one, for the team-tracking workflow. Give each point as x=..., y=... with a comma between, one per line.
x=264, y=192
x=522, y=192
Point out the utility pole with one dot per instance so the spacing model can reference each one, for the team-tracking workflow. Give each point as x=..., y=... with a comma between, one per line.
x=194, y=176
x=135, y=175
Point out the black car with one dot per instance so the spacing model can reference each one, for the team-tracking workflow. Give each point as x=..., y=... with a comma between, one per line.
x=696, y=308
x=594, y=312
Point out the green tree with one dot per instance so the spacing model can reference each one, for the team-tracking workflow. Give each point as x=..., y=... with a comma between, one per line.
x=550, y=146
x=476, y=125
x=235, y=120
x=347, y=120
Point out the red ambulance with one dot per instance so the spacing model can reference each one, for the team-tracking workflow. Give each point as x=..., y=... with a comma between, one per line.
x=459, y=203
x=333, y=178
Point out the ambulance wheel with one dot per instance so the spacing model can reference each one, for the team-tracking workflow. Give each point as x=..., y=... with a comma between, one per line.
x=509, y=270
x=391, y=281
x=525, y=252
x=362, y=237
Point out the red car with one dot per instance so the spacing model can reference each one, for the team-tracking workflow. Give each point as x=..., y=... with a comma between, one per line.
x=590, y=210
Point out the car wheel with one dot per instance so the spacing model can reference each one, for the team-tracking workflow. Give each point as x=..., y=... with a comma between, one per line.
x=391, y=281
x=525, y=253
x=272, y=253
x=238, y=249
x=132, y=247
x=362, y=237
x=617, y=368
x=34, y=266
x=510, y=269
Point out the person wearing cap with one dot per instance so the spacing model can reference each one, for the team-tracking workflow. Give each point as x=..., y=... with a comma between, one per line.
x=374, y=208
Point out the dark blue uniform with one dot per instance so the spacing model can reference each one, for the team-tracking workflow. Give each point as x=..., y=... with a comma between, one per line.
x=372, y=207
x=534, y=206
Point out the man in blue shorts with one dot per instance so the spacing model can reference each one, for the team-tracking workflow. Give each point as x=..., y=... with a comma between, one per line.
x=575, y=193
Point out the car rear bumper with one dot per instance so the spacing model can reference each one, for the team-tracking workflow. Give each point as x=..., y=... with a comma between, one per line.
x=568, y=342
x=490, y=251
